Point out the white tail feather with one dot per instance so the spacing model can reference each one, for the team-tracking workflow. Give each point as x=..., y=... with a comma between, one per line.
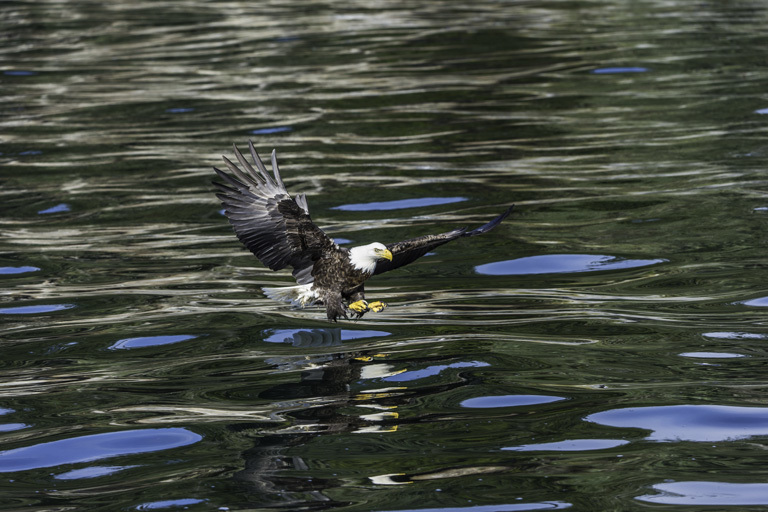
x=299, y=296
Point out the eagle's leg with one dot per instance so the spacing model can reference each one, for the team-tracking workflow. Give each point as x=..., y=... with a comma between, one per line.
x=377, y=306
x=357, y=302
x=360, y=307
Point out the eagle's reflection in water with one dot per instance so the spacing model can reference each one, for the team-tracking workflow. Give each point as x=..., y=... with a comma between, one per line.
x=314, y=406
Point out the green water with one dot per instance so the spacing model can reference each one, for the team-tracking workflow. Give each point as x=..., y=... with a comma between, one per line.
x=603, y=349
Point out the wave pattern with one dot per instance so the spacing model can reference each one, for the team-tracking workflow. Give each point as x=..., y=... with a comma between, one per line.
x=143, y=368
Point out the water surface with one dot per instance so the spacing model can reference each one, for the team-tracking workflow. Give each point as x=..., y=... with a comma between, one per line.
x=602, y=349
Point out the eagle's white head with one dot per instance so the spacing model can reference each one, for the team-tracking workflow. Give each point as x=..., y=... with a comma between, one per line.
x=365, y=257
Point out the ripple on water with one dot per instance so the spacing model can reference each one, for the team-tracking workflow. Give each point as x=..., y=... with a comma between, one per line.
x=619, y=70
x=19, y=72
x=508, y=507
x=318, y=337
x=92, y=472
x=17, y=270
x=59, y=208
x=760, y=302
x=561, y=264
x=400, y=204
x=157, y=505
x=708, y=493
x=274, y=129
x=431, y=371
x=33, y=310
x=95, y=447
x=489, y=402
x=571, y=445
x=11, y=427
x=712, y=355
x=726, y=335
x=150, y=341
x=689, y=422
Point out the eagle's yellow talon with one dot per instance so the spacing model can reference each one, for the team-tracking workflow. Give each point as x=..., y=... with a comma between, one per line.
x=376, y=306
x=359, y=307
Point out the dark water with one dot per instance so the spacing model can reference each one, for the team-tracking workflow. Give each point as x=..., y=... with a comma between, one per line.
x=604, y=349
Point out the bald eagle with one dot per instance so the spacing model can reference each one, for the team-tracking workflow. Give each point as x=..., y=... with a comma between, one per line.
x=278, y=230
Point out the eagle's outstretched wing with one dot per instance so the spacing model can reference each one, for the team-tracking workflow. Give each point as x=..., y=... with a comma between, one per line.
x=271, y=224
x=408, y=251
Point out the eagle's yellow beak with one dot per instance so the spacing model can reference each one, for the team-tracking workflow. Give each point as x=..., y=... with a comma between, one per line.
x=385, y=254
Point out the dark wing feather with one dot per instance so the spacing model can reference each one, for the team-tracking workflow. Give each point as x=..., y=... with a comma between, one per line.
x=272, y=225
x=408, y=251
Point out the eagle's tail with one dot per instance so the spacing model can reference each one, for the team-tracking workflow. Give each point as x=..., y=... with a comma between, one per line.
x=300, y=296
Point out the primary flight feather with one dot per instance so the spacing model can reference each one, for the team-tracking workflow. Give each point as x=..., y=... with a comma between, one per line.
x=279, y=231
